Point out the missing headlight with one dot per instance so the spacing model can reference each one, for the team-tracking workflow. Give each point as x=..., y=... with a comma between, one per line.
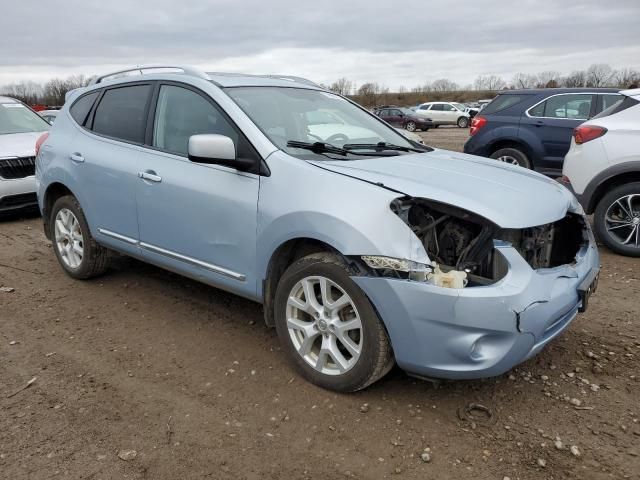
x=454, y=238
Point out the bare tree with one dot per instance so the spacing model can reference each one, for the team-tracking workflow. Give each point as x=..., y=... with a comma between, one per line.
x=524, y=80
x=342, y=86
x=627, y=77
x=369, y=93
x=489, y=82
x=28, y=91
x=444, y=85
x=548, y=79
x=577, y=78
x=599, y=75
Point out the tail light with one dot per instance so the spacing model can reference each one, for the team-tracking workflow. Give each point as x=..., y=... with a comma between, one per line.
x=585, y=133
x=477, y=123
x=41, y=139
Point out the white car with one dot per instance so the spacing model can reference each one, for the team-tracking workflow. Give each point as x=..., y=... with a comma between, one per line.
x=445, y=113
x=49, y=115
x=20, y=127
x=603, y=169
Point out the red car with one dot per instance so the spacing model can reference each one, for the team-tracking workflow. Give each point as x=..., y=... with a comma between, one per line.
x=404, y=117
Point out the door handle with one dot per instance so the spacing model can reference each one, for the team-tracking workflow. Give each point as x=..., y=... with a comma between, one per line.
x=76, y=157
x=539, y=123
x=151, y=176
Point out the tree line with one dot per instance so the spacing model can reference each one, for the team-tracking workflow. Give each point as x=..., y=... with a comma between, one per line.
x=598, y=75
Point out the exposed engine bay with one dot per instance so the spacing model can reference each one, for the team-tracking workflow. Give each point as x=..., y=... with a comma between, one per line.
x=458, y=240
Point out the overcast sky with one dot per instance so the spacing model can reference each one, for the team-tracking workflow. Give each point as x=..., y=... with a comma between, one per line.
x=393, y=43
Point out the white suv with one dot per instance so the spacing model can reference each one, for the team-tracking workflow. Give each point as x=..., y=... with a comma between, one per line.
x=445, y=113
x=20, y=127
x=603, y=169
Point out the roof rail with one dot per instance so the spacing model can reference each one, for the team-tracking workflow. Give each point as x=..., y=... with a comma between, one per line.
x=194, y=72
x=293, y=78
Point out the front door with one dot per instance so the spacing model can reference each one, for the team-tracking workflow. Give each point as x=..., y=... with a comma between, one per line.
x=197, y=219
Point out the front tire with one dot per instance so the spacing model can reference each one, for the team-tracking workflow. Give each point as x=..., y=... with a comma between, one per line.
x=463, y=122
x=328, y=327
x=617, y=219
x=512, y=156
x=76, y=250
x=410, y=126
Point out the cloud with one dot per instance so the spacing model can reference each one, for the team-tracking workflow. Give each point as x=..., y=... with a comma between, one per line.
x=392, y=43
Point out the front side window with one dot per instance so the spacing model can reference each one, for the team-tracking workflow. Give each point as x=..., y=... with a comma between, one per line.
x=448, y=108
x=460, y=107
x=293, y=114
x=16, y=118
x=575, y=107
x=121, y=113
x=180, y=113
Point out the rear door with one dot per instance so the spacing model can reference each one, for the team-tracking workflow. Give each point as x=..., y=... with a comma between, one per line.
x=395, y=117
x=552, y=121
x=104, y=163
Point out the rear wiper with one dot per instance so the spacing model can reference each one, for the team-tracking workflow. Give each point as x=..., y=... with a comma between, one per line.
x=380, y=147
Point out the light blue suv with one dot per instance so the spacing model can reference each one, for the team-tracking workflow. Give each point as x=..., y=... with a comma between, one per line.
x=366, y=249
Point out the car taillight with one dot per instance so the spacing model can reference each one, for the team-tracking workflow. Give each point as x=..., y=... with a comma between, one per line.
x=477, y=123
x=585, y=133
x=41, y=139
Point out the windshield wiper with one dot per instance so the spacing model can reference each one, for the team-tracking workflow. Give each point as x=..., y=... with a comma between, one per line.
x=380, y=147
x=318, y=147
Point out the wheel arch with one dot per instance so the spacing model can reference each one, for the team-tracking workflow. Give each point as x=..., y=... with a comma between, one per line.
x=511, y=143
x=607, y=180
x=53, y=192
x=282, y=257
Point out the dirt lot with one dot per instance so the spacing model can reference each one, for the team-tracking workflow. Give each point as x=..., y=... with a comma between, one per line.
x=190, y=378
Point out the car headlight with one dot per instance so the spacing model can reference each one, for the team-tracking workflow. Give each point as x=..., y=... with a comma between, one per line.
x=415, y=270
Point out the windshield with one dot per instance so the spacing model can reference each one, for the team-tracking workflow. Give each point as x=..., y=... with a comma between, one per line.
x=303, y=115
x=16, y=118
x=460, y=106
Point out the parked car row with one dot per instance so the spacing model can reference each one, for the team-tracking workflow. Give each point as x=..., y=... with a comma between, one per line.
x=590, y=137
x=366, y=249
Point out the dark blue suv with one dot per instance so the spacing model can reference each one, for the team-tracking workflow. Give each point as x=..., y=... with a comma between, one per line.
x=532, y=128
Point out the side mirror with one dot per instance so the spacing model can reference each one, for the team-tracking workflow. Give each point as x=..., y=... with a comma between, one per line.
x=217, y=150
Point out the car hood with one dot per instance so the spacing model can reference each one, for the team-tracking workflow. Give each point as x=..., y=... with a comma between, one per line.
x=509, y=196
x=19, y=144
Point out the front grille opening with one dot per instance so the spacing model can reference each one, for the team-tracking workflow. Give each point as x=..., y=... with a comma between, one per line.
x=12, y=168
x=550, y=245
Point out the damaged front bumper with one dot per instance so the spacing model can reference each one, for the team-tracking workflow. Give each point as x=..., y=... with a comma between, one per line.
x=480, y=331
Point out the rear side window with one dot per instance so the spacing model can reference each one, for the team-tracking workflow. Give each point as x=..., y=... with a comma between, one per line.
x=121, y=113
x=437, y=107
x=575, y=107
x=80, y=109
x=622, y=104
x=502, y=102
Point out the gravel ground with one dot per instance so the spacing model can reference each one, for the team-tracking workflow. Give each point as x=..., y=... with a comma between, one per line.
x=144, y=374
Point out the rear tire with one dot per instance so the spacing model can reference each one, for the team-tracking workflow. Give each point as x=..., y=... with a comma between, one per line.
x=512, y=156
x=78, y=253
x=463, y=122
x=617, y=218
x=334, y=337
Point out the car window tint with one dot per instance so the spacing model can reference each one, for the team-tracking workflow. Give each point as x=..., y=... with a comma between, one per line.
x=80, y=109
x=424, y=107
x=396, y=113
x=568, y=106
x=121, y=113
x=181, y=113
x=536, y=111
x=502, y=102
x=448, y=108
x=437, y=107
x=608, y=101
x=622, y=104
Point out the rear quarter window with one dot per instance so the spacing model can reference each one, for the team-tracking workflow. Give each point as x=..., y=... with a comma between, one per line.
x=80, y=109
x=502, y=102
x=622, y=104
x=121, y=113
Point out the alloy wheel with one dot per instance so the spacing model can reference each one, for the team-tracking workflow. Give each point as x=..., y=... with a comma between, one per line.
x=324, y=325
x=411, y=127
x=622, y=220
x=68, y=238
x=508, y=159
